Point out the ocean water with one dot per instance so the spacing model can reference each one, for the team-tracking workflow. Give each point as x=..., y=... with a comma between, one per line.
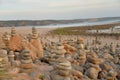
x=76, y=24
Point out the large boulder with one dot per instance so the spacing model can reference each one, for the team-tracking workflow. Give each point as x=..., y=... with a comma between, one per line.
x=15, y=43
x=31, y=48
x=37, y=44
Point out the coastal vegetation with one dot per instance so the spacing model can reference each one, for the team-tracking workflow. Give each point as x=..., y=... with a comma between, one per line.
x=83, y=30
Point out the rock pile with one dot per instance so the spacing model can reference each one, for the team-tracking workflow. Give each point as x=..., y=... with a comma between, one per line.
x=15, y=41
x=55, y=53
x=11, y=57
x=60, y=51
x=69, y=48
x=26, y=61
x=61, y=70
x=35, y=41
x=68, y=61
x=3, y=60
x=6, y=38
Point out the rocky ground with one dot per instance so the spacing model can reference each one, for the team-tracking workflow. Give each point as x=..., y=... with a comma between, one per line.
x=57, y=57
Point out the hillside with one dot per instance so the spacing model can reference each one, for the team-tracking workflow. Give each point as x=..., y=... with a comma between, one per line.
x=53, y=22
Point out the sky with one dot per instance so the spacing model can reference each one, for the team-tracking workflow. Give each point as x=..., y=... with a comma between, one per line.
x=58, y=9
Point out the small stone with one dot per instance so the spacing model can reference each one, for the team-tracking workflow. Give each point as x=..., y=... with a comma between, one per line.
x=92, y=73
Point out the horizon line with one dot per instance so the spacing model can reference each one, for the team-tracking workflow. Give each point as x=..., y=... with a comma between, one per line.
x=59, y=19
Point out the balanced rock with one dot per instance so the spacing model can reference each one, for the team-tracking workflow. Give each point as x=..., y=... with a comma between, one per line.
x=6, y=39
x=69, y=49
x=3, y=60
x=81, y=57
x=62, y=70
x=60, y=51
x=11, y=57
x=26, y=61
x=13, y=31
x=93, y=58
x=35, y=41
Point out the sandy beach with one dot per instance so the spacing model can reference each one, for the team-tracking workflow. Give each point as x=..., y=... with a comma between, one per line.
x=25, y=30
x=41, y=53
x=59, y=40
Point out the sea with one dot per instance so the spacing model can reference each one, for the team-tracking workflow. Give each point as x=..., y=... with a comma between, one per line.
x=76, y=24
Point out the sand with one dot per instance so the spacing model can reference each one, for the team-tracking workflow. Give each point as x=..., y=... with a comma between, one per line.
x=25, y=30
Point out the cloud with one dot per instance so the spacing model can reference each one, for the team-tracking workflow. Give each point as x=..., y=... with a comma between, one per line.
x=9, y=1
x=57, y=8
x=81, y=4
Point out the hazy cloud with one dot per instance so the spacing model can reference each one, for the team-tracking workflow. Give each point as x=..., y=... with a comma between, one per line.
x=58, y=9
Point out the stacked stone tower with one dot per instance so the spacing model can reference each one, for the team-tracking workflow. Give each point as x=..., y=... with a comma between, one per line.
x=13, y=31
x=26, y=61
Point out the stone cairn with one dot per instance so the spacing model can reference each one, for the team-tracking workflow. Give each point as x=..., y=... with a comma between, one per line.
x=112, y=48
x=6, y=38
x=53, y=46
x=117, y=49
x=80, y=56
x=36, y=42
x=34, y=33
x=55, y=54
x=26, y=61
x=60, y=51
x=52, y=49
x=69, y=47
x=92, y=66
x=13, y=31
x=11, y=57
x=87, y=46
x=3, y=60
x=61, y=70
x=62, y=67
x=80, y=43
